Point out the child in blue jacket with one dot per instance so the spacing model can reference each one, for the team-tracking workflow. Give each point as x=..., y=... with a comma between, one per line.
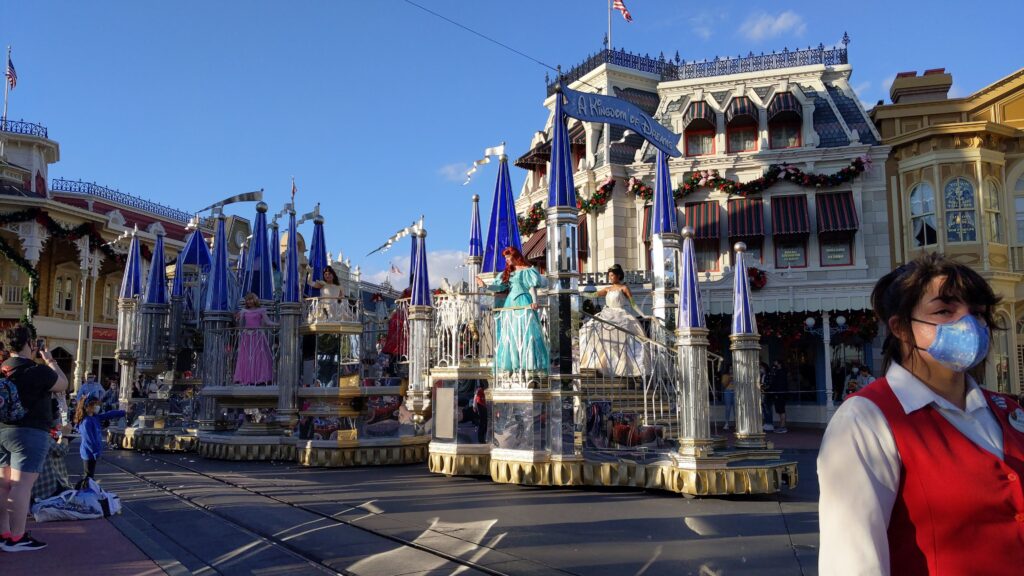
x=88, y=419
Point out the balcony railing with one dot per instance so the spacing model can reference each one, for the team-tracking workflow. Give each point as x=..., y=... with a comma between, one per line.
x=22, y=127
x=111, y=195
x=249, y=356
x=11, y=294
x=323, y=310
x=677, y=69
x=463, y=332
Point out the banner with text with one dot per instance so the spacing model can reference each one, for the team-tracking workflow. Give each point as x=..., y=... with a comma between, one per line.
x=611, y=110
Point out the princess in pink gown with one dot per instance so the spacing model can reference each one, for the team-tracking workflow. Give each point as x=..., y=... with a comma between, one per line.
x=255, y=362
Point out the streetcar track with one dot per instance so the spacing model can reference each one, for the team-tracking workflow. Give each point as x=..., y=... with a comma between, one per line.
x=294, y=550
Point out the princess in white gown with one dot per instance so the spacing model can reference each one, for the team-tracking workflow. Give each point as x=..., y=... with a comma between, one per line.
x=610, y=344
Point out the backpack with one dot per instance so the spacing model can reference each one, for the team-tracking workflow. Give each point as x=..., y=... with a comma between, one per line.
x=11, y=408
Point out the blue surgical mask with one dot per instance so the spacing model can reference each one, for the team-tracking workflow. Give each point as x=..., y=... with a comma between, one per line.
x=959, y=345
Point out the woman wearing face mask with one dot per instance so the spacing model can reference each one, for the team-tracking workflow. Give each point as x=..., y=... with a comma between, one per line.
x=920, y=471
x=88, y=419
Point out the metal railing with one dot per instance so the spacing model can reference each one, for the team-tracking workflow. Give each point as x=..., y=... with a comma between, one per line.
x=22, y=127
x=327, y=310
x=11, y=293
x=249, y=356
x=111, y=195
x=462, y=331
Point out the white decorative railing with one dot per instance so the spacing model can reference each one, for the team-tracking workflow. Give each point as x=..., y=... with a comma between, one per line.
x=520, y=347
x=325, y=310
x=463, y=330
x=248, y=356
x=11, y=293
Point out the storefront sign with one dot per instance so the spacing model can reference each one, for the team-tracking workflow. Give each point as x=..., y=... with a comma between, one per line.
x=791, y=255
x=610, y=110
x=837, y=253
x=104, y=333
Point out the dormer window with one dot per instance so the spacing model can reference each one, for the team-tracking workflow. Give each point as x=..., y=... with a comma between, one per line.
x=699, y=131
x=785, y=122
x=741, y=125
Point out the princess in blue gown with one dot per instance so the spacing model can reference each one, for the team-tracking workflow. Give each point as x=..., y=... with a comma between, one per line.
x=520, y=340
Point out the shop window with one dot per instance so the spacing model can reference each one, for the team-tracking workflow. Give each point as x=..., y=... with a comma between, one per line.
x=790, y=252
x=700, y=138
x=836, y=251
x=707, y=254
x=961, y=215
x=922, y=215
x=753, y=255
x=993, y=214
x=741, y=134
x=784, y=130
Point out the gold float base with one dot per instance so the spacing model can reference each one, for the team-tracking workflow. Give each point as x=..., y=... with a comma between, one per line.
x=245, y=449
x=459, y=464
x=152, y=439
x=343, y=457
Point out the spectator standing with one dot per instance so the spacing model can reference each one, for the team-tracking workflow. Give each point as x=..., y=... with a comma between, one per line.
x=777, y=390
x=88, y=419
x=24, y=445
x=89, y=388
x=864, y=378
x=766, y=406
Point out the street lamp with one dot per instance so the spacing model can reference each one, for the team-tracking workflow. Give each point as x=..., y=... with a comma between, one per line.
x=827, y=331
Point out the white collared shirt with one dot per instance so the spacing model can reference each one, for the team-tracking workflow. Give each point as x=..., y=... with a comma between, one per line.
x=859, y=470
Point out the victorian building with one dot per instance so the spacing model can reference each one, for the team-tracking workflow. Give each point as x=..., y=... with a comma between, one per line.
x=777, y=152
x=956, y=185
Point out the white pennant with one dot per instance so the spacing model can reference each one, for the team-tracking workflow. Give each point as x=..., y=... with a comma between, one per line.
x=498, y=150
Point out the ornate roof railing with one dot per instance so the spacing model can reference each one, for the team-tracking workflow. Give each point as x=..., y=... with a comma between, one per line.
x=127, y=200
x=677, y=69
x=22, y=127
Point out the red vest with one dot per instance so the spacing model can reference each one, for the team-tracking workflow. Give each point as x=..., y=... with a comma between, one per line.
x=959, y=509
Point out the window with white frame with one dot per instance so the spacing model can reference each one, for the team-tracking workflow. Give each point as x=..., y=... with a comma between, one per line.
x=993, y=213
x=922, y=215
x=109, y=300
x=961, y=214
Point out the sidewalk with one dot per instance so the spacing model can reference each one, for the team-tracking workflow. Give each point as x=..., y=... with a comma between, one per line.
x=82, y=548
x=795, y=439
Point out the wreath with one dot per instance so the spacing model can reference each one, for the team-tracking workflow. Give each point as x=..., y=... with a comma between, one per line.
x=640, y=190
x=600, y=198
x=776, y=173
x=758, y=278
x=528, y=224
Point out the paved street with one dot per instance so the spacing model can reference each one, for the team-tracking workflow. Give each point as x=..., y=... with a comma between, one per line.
x=207, y=517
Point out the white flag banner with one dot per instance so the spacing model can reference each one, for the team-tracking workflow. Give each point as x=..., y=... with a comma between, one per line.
x=498, y=150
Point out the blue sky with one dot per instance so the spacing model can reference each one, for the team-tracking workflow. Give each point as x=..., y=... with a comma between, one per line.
x=377, y=108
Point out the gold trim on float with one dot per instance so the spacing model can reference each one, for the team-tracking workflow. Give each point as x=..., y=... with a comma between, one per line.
x=362, y=456
x=459, y=464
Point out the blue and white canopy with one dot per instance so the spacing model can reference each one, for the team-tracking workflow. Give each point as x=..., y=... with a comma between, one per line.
x=275, y=255
x=420, y=277
x=178, y=284
x=503, y=229
x=195, y=252
x=476, y=242
x=317, y=256
x=663, y=214
x=259, y=277
x=743, y=319
x=217, y=291
x=156, y=286
x=131, y=282
x=291, y=291
x=691, y=310
x=561, y=190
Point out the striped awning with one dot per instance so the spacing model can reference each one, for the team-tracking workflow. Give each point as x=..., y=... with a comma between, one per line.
x=535, y=249
x=783, y=102
x=578, y=134
x=746, y=217
x=789, y=216
x=836, y=212
x=698, y=110
x=703, y=218
x=741, y=106
x=538, y=156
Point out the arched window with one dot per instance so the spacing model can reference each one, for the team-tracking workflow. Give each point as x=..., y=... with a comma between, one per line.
x=1001, y=354
x=784, y=122
x=58, y=293
x=1018, y=206
x=699, y=132
x=993, y=213
x=961, y=215
x=922, y=215
x=741, y=125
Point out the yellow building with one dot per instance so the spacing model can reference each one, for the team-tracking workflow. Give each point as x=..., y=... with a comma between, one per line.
x=956, y=185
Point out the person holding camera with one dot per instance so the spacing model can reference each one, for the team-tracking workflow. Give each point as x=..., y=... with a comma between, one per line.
x=25, y=443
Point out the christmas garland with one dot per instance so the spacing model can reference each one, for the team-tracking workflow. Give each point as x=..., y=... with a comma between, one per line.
x=528, y=224
x=27, y=295
x=758, y=278
x=600, y=198
x=640, y=190
x=775, y=174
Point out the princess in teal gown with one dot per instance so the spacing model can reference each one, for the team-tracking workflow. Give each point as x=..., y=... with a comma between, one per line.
x=520, y=340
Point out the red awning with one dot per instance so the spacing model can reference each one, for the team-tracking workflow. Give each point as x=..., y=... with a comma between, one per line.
x=698, y=110
x=836, y=212
x=783, y=102
x=741, y=106
x=789, y=216
x=703, y=218
x=538, y=156
x=746, y=217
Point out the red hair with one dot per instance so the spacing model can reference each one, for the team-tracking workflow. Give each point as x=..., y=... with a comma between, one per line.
x=517, y=261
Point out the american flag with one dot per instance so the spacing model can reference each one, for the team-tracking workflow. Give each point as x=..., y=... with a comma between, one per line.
x=12, y=76
x=395, y=270
x=294, y=190
x=621, y=7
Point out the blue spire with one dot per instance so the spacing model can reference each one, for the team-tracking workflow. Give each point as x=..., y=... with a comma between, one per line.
x=503, y=229
x=561, y=190
x=195, y=251
x=131, y=282
x=259, y=277
x=275, y=249
x=290, y=292
x=420, y=278
x=691, y=310
x=663, y=216
x=156, y=287
x=413, y=240
x=317, y=256
x=476, y=243
x=178, y=284
x=743, y=319
x=217, y=284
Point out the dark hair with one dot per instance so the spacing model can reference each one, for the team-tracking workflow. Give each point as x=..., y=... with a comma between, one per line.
x=617, y=270
x=83, y=404
x=19, y=336
x=334, y=275
x=517, y=261
x=898, y=292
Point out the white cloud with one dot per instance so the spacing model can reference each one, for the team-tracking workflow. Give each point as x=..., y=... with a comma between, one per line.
x=455, y=172
x=956, y=92
x=440, y=264
x=704, y=24
x=886, y=84
x=862, y=92
x=762, y=26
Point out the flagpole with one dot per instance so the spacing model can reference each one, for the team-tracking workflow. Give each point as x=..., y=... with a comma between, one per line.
x=609, y=24
x=7, y=85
